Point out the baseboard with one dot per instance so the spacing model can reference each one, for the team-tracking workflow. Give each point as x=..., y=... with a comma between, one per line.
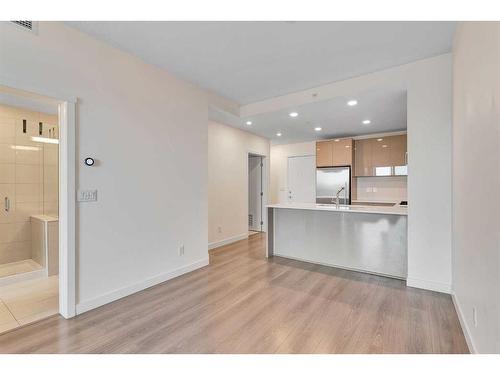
x=463, y=324
x=429, y=285
x=227, y=241
x=131, y=289
x=305, y=260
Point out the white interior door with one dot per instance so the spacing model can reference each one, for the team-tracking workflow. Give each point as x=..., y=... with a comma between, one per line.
x=255, y=193
x=301, y=179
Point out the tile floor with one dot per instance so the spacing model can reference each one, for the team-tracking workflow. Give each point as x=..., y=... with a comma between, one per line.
x=15, y=268
x=28, y=301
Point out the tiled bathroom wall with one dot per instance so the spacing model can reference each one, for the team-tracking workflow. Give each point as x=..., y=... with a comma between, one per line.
x=382, y=189
x=51, y=176
x=28, y=178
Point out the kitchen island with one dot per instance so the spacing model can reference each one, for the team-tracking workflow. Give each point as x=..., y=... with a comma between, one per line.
x=369, y=239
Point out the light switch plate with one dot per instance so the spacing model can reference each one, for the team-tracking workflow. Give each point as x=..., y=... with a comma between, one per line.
x=87, y=196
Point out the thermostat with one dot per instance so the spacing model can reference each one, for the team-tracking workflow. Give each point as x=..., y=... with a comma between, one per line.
x=89, y=162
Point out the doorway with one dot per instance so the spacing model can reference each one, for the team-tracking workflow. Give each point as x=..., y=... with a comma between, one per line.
x=255, y=194
x=37, y=173
x=29, y=192
x=301, y=171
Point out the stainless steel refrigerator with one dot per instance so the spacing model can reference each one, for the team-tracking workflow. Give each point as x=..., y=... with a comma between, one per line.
x=330, y=181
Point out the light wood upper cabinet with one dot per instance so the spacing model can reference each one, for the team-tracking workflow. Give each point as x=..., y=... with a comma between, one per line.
x=379, y=156
x=324, y=154
x=389, y=151
x=398, y=150
x=334, y=153
x=381, y=152
x=363, y=157
x=342, y=152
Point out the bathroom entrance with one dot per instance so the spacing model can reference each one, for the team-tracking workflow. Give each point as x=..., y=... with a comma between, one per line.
x=257, y=193
x=29, y=210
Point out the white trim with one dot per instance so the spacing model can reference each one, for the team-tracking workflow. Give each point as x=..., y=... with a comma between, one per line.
x=435, y=286
x=378, y=135
x=134, y=288
x=227, y=241
x=37, y=274
x=365, y=136
x=265, y=186
x=464, y=325
x=67, y=210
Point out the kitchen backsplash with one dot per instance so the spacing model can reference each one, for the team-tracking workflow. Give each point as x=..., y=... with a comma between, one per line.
x=382, y=188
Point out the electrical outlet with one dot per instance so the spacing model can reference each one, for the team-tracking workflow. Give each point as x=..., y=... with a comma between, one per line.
x=474, y=316
x=219, y=229
x=181, y=250
x=87, y=196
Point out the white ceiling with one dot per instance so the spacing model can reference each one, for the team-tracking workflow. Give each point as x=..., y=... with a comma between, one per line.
x=386, y=109
x=251, y=61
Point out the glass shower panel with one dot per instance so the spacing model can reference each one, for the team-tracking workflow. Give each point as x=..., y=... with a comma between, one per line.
x=28, y=185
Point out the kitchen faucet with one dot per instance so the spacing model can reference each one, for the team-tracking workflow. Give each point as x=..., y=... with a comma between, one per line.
x=337, y=203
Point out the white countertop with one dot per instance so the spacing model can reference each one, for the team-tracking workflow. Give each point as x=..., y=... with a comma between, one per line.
x=44, y=217
x=385, y=210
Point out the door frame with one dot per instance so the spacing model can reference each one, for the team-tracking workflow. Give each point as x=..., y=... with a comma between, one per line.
x=288, y=172
x=265, y=186
x=67, y=186
x=260, y=196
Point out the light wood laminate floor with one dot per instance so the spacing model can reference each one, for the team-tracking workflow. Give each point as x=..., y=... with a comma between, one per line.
x=245, y=303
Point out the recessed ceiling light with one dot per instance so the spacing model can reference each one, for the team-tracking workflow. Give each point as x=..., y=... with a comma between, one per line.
x=380, y=139
x=384, y=146
x=278, y=134
x=249, y=123
x=366, y=122
x=318, y=129
x=293, y=114
x=352, y=102
x=337, y=140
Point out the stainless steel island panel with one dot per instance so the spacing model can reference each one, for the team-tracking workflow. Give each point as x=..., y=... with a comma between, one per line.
x=369, y=242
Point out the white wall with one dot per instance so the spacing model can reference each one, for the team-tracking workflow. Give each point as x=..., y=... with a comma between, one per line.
x=476, y=182
x=428, y=86
x=228, y=150
x=148, y=130
x=279, y=167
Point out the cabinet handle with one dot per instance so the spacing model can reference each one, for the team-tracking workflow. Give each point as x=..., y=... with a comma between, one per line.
x=7, y=204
